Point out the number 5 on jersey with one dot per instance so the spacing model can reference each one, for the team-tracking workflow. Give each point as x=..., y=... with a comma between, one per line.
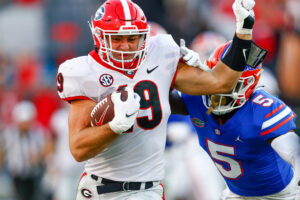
x=230, y=168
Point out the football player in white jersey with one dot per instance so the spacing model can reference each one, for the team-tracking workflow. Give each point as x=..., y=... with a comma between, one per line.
x=124, y=158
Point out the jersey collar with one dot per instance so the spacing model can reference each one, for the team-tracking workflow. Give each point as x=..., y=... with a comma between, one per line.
x=96, y=57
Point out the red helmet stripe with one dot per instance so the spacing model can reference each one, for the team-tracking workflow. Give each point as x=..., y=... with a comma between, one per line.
x=126, y=12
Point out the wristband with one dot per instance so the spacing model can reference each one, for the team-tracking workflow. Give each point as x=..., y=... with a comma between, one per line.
x=236, y=56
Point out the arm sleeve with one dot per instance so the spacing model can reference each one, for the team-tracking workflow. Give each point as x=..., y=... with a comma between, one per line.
x=288, y=147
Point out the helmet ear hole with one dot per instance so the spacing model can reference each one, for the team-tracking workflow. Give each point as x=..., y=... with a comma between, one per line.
x=98, y=32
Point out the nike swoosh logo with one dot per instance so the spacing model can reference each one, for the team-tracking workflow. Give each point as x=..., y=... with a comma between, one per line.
x=151, y=70
x=238, y=139
x=129, y=115
x=99, y=123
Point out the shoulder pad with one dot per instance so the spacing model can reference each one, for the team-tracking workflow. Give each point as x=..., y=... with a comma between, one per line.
x=69, y=78
x=274, y=116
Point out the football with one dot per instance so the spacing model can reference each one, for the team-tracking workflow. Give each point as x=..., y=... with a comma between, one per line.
x=103, y=112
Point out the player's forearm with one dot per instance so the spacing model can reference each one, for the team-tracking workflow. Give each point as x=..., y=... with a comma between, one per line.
x=194, y=81
x=90, y=141
x=224, y=78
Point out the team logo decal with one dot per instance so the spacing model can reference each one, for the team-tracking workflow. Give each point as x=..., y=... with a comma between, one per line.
x=106, y=80
x=129, y=72
x=86, y=193
x=100, y=13
x=197, y=122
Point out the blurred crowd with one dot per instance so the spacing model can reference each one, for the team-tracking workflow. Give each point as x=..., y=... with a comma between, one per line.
x=37, y=35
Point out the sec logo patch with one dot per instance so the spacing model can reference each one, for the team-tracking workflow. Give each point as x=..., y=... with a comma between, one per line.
x=106, y=80
x=197, y=122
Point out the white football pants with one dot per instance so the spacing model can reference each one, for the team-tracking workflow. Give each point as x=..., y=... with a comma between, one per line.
x=87, y=189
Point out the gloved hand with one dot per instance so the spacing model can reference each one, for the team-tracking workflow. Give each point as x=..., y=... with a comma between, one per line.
x=243, y=11
x=125, y=111
x=191, y=57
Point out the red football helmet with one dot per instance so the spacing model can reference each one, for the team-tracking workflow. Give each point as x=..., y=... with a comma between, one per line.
x=120, y=17
x=225, y=103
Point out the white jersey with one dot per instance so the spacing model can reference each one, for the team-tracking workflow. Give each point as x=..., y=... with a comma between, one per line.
x=137, y=155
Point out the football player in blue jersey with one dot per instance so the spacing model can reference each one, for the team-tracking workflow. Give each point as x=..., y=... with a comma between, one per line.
x=249, y=135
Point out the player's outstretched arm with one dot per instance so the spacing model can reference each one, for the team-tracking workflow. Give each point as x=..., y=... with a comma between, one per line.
x=226, y=73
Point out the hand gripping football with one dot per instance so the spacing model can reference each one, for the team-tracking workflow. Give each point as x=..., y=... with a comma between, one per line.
x=103, y=112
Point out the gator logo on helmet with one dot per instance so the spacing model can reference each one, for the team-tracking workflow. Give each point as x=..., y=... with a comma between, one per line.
x=100, y=13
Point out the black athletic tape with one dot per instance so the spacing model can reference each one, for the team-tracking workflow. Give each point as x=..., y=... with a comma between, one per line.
x=236, y=55
x=248, y=22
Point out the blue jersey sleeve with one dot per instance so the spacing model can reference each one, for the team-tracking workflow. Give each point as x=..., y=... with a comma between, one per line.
x=273, y=116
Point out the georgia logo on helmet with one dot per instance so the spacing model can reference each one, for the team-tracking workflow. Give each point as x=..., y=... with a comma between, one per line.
x=224, y=103
x=120, y=17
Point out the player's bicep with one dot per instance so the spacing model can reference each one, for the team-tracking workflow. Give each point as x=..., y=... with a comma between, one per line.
x=80, y=115
x=194, y=81
x=184, y=76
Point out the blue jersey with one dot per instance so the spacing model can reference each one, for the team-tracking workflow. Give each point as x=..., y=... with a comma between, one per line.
x=239, y=147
